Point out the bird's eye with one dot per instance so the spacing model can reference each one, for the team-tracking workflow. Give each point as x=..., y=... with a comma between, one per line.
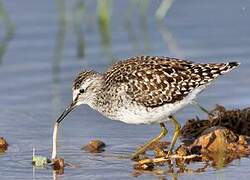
x=81, y=90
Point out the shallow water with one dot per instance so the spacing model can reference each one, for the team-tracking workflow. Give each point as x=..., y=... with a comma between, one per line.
x=41, y=60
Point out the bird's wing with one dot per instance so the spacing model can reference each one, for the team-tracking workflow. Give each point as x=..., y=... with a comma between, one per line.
x=154, y=81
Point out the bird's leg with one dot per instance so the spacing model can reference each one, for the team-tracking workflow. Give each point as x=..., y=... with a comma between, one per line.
x=197, y=105
x=176, y=133
x=142, y=149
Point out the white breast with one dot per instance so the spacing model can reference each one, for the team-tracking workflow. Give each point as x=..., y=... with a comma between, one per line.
x=132, y=114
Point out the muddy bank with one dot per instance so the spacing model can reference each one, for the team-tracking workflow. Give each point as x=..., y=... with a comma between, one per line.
x=214, y=142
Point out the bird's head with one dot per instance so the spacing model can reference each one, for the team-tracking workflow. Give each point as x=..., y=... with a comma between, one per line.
x=84, y=88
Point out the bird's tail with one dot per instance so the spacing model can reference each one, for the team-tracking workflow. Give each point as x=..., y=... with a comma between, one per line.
x=226, y=67
x=208, y=72
x=212, y=71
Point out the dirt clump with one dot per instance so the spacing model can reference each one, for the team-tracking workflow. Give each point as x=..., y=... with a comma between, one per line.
x=94, y=146
x=58, y=165
x=3, y=145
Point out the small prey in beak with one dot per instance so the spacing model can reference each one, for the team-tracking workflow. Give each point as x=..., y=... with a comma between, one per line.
x=70, y=108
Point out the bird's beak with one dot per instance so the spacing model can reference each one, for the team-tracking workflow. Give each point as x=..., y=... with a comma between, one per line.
x=70, y=108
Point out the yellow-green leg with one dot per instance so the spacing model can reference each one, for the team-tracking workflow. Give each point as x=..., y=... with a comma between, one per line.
x=197, y=105
x=176, y=133
x=142, y=149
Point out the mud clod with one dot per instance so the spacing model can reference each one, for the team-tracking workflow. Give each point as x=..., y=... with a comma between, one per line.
x=183, y=150
x=215, y=139
x=95, y=146
x=58, y=165
x=3, y=145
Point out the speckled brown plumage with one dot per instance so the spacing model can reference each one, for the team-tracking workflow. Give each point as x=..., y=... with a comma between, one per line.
x=81, y=77
x=154, y=81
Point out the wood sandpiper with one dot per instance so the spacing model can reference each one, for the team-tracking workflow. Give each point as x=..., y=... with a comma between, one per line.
x=145, y=90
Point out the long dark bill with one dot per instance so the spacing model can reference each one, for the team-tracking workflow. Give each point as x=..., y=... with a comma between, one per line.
x=70, y=108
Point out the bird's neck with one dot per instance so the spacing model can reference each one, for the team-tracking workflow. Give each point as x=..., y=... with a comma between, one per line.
x=94, y=90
